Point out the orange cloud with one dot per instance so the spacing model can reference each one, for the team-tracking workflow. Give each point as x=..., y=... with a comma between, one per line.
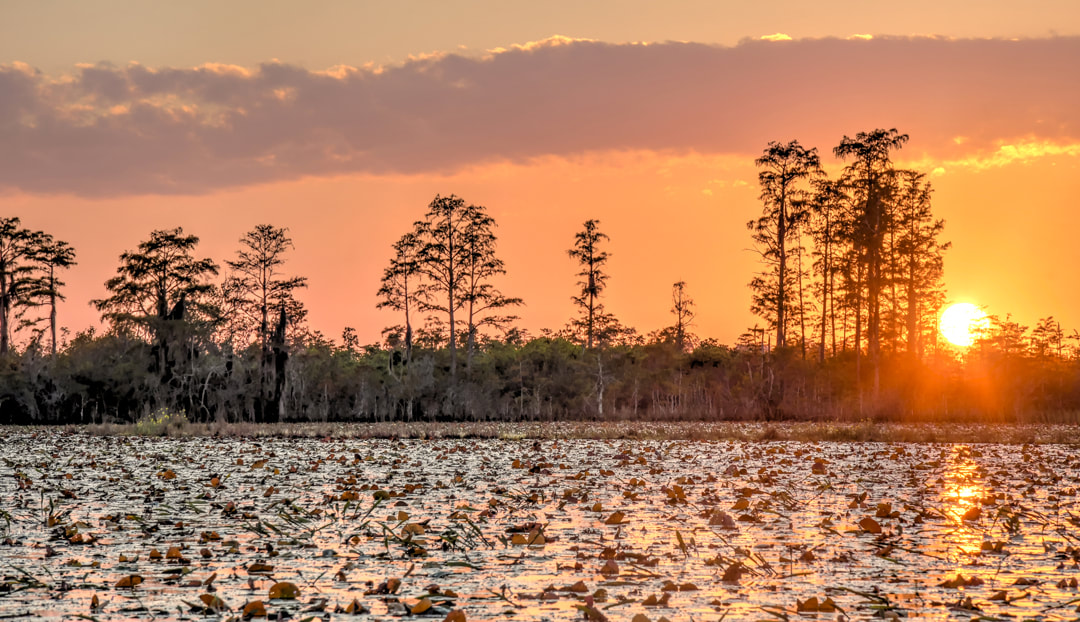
x=197, y=130
x=1024, y=151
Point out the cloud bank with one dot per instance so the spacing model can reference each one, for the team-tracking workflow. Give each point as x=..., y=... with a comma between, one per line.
x=107, y=130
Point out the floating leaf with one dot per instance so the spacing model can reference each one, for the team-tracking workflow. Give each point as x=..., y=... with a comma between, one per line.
x=284, y=590
x=616, y=518
x=591, y=613
x=130, y=581
x=653, y=601
x=733, y=572
x=213, y=602
x=413, y=529
x=722, y=520
x=961, y=581
x=813, y=605
x=870, y=525
x=259, y=568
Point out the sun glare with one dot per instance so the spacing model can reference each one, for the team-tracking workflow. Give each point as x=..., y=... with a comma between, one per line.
x=962, y=322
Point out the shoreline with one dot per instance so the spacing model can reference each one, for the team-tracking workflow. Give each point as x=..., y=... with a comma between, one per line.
x=887, y=432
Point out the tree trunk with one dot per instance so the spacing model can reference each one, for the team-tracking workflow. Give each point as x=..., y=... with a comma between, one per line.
x=599, y=385
x=894, y=302
x=592, y=303
x=470, y=338
x=858, y=327
x=408, y=329
x=832, y=303
x=825, y=273
x=802, y=306
x=914, y=346
x=873, y=279
x=451, y=283
x=781, y=269
x=4, y=305
x=52, y=310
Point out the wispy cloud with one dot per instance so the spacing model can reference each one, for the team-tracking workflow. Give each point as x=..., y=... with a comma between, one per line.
x=1024, y=151
x=119, y=130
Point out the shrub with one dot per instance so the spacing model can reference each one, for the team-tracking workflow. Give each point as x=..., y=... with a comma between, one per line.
x=162, y=422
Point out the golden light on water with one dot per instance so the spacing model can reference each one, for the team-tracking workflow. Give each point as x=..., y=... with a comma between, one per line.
x=962, y=323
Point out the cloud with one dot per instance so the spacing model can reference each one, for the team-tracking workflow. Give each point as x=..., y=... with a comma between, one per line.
x=1003, y=154
x=108, y=130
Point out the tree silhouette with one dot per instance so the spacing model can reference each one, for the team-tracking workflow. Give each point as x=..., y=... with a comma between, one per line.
x=776, y=231
x=50, y=255
x=587, y=252
x=442, y=260
x=400, y=282
x=156, y=278
x=263, y=303
x=17, y=245
x=1047, y=338
x=824, y=226
x=161, y=291
x=682, y=307
x=869, y=177
x=482, y=301
x=457, y=262
x=256, y=286
x=920, y=260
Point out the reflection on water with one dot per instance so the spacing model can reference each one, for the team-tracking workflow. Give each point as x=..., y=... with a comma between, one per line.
x=962, y=496
x=547, y=530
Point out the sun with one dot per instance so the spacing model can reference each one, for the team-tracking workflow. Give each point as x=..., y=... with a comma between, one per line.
x=962, y=322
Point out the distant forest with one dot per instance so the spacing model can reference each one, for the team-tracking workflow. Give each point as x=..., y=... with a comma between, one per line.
x=848, y=294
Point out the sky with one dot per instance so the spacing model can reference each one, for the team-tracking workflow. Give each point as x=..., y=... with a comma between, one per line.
x=342, y=120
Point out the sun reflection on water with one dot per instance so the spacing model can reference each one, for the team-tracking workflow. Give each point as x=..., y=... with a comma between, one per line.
x=962, y=496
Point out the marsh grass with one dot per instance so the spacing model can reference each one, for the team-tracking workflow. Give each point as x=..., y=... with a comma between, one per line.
x=161, y=422
x=864, y=431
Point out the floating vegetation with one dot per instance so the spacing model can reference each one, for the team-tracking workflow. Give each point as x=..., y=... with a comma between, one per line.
x=456, y=529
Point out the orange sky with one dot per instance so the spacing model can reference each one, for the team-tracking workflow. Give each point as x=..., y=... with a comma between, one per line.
x=656, y=141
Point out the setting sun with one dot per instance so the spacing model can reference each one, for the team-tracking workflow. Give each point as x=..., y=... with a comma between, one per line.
x=962, y=322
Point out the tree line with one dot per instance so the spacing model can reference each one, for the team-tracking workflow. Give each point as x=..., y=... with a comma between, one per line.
x=859, y=256
x=850, y=290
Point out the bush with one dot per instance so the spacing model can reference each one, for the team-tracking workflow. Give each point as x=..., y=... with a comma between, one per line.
x=162, y=422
